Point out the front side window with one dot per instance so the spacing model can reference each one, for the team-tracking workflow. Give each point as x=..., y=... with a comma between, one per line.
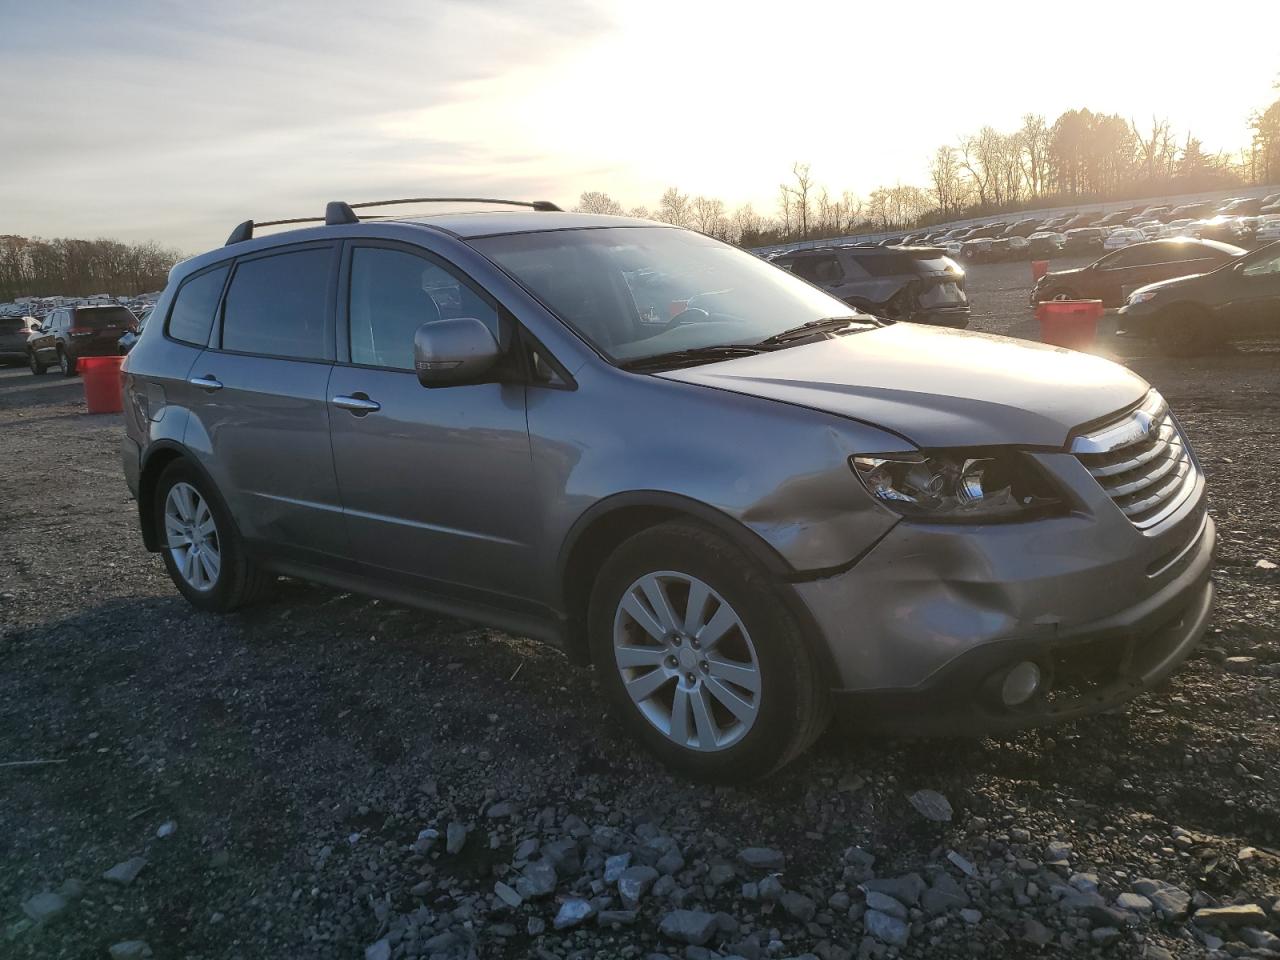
x=275, y=305
x=635, y=292
x=394, y=292
x=191, y=318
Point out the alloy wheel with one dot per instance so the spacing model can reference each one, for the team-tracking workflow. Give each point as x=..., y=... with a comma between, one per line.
x=687, y=661
x=191, y=536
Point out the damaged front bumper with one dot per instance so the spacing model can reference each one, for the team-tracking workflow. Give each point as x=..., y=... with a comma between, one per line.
x=925, y=627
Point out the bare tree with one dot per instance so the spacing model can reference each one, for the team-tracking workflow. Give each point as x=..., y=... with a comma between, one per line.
x=1157, y=151
x=673, y=208
x=709, y=217
x=948, y=182
x=800, y=195
x=595, y=201
x=1034, y=144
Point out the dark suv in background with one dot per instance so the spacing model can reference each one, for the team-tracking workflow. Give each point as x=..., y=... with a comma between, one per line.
x=919, y=284
x=70, y=333
x=14, y=332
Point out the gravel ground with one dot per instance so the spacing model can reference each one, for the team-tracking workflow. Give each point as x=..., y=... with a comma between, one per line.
x=329, y=776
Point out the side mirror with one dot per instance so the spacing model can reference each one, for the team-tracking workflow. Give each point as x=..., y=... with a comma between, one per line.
x=450, y=352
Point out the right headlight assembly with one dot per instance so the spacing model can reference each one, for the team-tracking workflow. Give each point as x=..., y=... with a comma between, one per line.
x=958, y=486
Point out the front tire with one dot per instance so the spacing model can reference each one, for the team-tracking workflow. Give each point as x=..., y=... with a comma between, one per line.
x=202, y=549
x=1187, y=333
x=37, y=368
x=700, y=657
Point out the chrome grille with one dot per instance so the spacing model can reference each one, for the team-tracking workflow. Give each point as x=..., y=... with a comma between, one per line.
x=1141, y=459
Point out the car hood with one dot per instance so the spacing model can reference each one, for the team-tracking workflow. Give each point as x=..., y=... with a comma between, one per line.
x=1171, y=282
x=1057, y=274
x=937, y=388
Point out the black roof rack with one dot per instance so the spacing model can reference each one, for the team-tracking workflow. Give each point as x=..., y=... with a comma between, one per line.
x=338, y=212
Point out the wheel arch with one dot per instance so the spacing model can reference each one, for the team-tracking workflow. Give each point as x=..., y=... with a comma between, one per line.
x=157, y=459
x=608, y=523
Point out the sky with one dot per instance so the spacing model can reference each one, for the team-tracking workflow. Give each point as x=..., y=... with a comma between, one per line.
x=173, y=121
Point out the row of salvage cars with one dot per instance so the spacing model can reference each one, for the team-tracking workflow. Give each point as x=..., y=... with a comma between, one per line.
x=1187, y=295
x=1243, y=221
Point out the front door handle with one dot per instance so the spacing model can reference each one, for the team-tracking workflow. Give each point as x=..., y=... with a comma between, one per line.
x=358, y=404
x=206, y=382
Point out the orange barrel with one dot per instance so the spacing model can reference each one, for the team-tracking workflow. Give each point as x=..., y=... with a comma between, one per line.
x=103, y=383
x=1039, y=268
x=1069, y=323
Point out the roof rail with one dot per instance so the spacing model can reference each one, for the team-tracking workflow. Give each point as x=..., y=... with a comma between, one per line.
x=338, y=212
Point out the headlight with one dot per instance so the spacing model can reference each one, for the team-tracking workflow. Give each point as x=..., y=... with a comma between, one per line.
x=957, y=486
x=1141, y=296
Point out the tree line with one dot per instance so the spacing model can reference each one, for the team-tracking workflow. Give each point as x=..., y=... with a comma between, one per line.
x=33, y=267
x=1082, y=157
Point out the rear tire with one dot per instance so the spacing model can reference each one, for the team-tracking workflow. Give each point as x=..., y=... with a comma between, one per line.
x=66, y=364
x=37, y=368
x=710, y=669
x=220, y=577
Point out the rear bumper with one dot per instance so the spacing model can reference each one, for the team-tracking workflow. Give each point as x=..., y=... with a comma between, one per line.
x=93, y=348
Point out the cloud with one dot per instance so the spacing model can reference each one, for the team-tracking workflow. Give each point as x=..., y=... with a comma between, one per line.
x=176, y=121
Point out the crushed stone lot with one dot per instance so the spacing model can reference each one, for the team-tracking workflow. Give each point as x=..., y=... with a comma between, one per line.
x=327, y=776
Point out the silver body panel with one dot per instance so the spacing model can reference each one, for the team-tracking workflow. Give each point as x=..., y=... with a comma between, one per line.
x=482, y=491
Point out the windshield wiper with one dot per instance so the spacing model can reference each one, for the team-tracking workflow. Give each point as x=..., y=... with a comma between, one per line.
x=692, y=355
x=824, y=325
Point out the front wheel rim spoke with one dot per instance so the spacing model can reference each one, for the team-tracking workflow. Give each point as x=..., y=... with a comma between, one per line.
x=702, y=718
x=739, y=707
x=644, y=687
x=634, y=656
x=209, y=566
x=680, y=716
x=740, y=674
x=720, y=623
x=695, y=607
x=657, y=597
x=640, y=614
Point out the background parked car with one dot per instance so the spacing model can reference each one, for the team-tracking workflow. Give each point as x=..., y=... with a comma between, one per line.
x=1190, y=314
x=1268, y=229
x=70, y=333
x=1045, y=244
x=1084, y=240
x=1112, y=278
x=1122, y=237
x=14, y=332
x=919, y=284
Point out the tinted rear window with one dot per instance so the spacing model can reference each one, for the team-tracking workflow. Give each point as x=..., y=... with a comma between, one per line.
x=276, y=305
x=191, y=318
x=11, y=325
x=100, y=317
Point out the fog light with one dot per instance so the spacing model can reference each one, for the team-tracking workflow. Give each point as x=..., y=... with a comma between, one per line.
x=1020, y=684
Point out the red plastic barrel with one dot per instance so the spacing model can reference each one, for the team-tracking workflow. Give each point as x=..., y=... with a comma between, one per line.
x=1069, y=323
x=1039, y=268
x=103, y=383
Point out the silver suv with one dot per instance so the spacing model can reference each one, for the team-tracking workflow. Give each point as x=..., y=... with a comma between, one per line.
x=747, y=505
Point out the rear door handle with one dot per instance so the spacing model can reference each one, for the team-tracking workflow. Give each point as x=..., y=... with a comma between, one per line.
x=358, y=404
x=206, y=382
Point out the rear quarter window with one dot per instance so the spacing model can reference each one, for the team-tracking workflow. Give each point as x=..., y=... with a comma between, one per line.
x=194, y=307
x=276, y=305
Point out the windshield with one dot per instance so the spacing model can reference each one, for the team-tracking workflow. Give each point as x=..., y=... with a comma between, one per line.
x=636, y=292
